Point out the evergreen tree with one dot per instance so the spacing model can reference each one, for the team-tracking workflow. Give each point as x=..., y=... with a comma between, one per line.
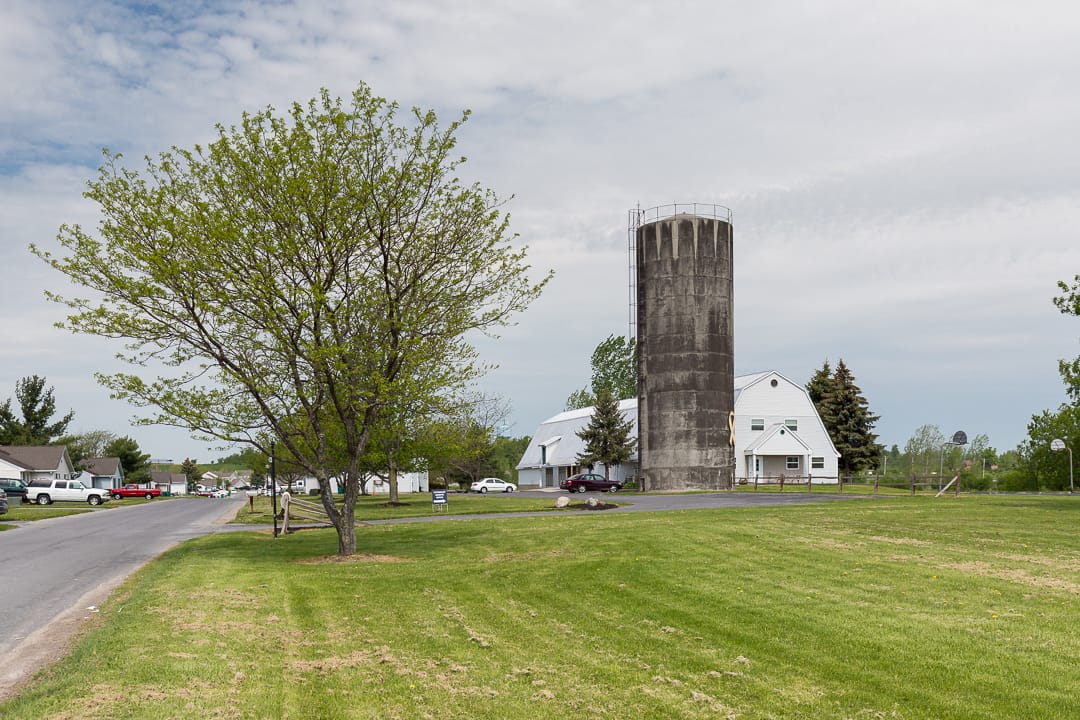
x=607, y=436
x=846, y=415
x=37, y=406
x=136, y=464
x=819, y=385
x=192, y=473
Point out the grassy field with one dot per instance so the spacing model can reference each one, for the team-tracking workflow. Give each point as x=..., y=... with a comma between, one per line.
x=894, y=608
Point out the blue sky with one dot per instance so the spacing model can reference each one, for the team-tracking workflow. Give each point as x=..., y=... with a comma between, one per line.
x=905, y=177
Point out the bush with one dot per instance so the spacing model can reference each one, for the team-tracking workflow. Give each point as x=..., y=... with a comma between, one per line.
x=1016, y=481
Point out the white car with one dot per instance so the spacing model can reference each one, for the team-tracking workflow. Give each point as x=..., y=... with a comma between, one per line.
x=492, y=485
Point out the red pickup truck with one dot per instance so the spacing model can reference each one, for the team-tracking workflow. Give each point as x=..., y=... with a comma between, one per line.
x=135, y=491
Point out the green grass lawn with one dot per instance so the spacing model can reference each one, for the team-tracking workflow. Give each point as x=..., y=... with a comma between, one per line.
x=23, y=513
x=894, y=608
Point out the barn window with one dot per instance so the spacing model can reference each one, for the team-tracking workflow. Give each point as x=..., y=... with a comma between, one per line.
x=817, y=463
x=757, y=424
x=793, y=462
x=792, y=424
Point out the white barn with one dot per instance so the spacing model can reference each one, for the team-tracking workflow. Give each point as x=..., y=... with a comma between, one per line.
x=777, y=432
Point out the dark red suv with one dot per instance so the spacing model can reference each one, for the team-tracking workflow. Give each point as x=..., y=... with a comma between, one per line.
x=589, y=481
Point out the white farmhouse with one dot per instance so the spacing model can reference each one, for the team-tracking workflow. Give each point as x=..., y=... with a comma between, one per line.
x=777, y=432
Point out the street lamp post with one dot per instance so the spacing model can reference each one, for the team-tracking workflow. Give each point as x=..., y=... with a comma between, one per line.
x=1059, y=444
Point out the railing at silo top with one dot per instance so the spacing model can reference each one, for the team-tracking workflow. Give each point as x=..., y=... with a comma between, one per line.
x=638, y=217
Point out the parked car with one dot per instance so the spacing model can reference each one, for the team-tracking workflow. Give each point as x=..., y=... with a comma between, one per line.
x=135, y=491
x=3, y=502
x=45, y=491
x=590, y=481
x=13, y=487
x=485, y=485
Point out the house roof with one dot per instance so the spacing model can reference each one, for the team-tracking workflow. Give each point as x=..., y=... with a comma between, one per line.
x=778, y=439
x=34, y=457
x=102, y=467
x=558, y=435
x=163, y=477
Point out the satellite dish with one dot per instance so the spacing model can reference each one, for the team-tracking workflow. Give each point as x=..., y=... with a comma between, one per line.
x=959, y=438
x=1057, y=444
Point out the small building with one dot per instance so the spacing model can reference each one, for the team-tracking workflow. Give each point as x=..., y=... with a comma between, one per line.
x=777, y=432
x=408, y=482
x=169, y=483
x=103, y=473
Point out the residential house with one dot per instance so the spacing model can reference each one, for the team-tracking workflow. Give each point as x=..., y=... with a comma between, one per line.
x=777, y=432
x=31, y=462
x=104, y=473
x=169, y=483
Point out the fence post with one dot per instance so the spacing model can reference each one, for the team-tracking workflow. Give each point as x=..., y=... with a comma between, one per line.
x=781, y=482
x=875, y=484
x=912, y=483
x=840, y=480
x=810, y=483
x=755, y=482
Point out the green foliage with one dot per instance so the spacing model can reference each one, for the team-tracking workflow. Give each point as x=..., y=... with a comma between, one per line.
x=37, y=406
x=1069, y=304
x=136, y=464
x=1049, y=468
x=614, y=368
x=460, y=451
x=506, y=454
x=298, y=278
x=819, y=386
x=847, y=417
x=608, y=435
x=192, y=473
x=85, y=445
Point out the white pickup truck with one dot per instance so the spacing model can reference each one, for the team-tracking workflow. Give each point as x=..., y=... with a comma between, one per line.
x=44, y=491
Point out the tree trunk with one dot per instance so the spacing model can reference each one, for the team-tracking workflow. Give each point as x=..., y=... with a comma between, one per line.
x=392, y=479
x=343, y=519
x=346, y=531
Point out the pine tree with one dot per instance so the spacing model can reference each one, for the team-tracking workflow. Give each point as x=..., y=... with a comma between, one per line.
x=607, y=436
x=846, y=415
x=191, y=473
x=819, y=385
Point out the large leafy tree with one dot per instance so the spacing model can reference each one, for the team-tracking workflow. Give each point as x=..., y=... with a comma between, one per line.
x=135, y=462
x=614, y=368
x=1048, y=468
x=846, y=415
x=608, y=435
x=922, y=448
x=297, y=276
x=90, y=444
x=1069, y=304
x=37, y=406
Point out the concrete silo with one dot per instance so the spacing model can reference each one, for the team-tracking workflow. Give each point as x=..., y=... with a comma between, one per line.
x=682, y=294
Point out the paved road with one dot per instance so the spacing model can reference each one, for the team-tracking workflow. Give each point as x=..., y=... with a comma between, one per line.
x=641, y=503
x=54, y=569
